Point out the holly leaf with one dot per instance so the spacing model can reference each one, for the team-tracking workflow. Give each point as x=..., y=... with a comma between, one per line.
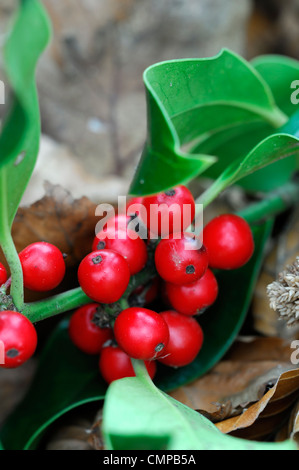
x=164, y=423
x=190, y=102
x=270, y=150
x=19, y=140
x=281, y=74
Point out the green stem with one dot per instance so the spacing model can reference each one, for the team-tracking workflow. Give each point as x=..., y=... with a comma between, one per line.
x=140, y=369
x=12, y=258
x=276, y=203
x=75, y=298
x=8, y=247
x=60, y=303
x=273, y=204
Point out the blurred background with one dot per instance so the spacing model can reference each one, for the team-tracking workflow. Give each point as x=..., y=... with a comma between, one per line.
x=90, y=78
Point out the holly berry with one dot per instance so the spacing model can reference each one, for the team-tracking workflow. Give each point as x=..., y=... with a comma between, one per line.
x=229, y=241
x=185, y=339
x=43, y=266
x=85, y=332
x=192, y=299
x=115, y=364
x=165, y=219
x=181, y=260
x=104, y=276
x=3, y=274
x=141, y=333
x=125, y=242
x=18, y=337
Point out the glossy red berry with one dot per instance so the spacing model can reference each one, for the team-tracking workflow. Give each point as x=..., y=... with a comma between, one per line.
x=141, y=333
x=165, y=219
x=192, y=299
x=125, y=242
x=115, y=364
x=181, y=260
x=85, y=332
x=229, y=241
x=3, y=274
x=104, y=276
x=18, y=339
x=185, y=339
x=43, y=266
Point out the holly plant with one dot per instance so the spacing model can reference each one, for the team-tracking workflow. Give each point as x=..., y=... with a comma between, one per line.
x=221, y=120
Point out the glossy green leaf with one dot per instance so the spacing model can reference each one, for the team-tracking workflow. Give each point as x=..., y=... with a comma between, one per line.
x=270, y=150
x=65, y=379
x=221, y=323
x=139, y=416
x=190, y=102
x=280, y=72
x=19, y=140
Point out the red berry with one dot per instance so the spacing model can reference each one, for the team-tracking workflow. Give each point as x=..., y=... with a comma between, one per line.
x=229, y=241
x=104, y=276
x=115, y=364
x=85, y=332
x=125, y=242
x=185, y=339
x=181, y=260
x=141, y=333
x=165, y=220
x=3, y=274
x=192, y=299
x=43, y=266
x=18, y=338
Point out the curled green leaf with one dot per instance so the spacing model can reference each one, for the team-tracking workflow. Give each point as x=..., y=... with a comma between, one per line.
x=191, y=102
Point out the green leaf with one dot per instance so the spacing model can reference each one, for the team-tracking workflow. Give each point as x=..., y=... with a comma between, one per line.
x=190, y=102
x=19, y=141
x=270, y=150
x=221, y=323
x=65, y=379
x=138, y=416
x=280, y=72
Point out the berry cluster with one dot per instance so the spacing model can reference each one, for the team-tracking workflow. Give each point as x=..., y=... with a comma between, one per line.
x=124, y=274
x=183, y=275
x=43, y=269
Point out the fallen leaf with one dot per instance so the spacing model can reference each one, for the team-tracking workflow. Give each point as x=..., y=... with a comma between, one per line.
x=59, y=219
x=263, y=416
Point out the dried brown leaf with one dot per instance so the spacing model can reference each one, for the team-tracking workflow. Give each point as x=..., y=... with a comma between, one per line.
x=59, y=219
x=225, y=380
x=268, y=412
